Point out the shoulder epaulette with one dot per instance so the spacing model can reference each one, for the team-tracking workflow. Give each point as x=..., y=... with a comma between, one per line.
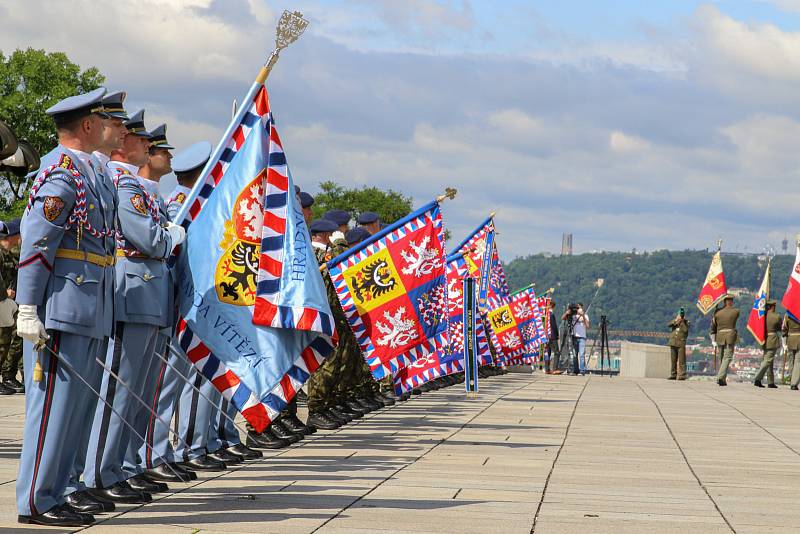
x=66, y=162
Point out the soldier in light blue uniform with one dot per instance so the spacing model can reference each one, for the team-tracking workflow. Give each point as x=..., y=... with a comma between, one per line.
x=114, y=132
x=158, y=449
x=145, y=241
x=61, y=291
x=193, y=412
x=155, y=449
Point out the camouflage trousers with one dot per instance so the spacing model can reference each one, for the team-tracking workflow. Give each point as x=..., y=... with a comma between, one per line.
x=322, y=384
x=10, y=352
x=356, y=379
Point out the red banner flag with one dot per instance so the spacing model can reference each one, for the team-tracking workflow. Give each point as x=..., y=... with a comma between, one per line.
x=714, y=288
x=791, y=299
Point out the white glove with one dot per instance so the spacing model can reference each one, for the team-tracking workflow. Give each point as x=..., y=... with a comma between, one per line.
x=7, y=309
x=335, y=236
x=176, y=233
x=714, y=343
x=783, y=343
x=29, y=327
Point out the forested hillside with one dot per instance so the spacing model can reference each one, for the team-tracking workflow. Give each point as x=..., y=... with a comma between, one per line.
x=645, y=291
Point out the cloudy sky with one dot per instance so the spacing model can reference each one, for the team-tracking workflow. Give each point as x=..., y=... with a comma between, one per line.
x=659, y=124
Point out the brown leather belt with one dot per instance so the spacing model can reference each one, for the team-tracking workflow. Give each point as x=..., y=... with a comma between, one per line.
x=89, y=257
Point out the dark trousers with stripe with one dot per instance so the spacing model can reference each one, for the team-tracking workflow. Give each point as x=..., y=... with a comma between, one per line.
x=195, y=415
x=134, y=464
x=129, y=356
x=165, y=399
x=54, y=420
x=223, y=433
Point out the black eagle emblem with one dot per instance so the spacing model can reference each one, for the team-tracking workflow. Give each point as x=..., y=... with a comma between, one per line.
x=373, y=281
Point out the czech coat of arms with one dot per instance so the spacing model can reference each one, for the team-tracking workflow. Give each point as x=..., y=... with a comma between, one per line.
x=237, y=269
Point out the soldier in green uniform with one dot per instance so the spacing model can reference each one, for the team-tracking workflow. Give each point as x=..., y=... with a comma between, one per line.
x=791, y=333
x=677, y=345
x=10, y=342
x=724, y=336
x=322, y=384
x=773, y=330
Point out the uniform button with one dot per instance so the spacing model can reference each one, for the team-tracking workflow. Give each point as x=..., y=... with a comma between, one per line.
x=79, y=279
x=148, y=277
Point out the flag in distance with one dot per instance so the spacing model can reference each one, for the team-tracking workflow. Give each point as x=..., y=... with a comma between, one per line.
x=791, y=298
x=714, y=288
x=757, y=321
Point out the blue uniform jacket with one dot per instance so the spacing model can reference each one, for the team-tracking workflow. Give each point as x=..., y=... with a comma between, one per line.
x=73, y=295
x=142, y=278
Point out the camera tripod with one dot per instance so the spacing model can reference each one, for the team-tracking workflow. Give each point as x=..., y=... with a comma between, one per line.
x=605, y=351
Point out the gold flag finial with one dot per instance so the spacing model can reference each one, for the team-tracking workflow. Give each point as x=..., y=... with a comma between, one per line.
x=449, y=192
x=290, y=27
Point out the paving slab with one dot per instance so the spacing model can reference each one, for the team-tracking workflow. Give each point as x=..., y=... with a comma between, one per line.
x=533, y=454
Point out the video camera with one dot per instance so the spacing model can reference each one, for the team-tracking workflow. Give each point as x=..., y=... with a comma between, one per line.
x=572, y=308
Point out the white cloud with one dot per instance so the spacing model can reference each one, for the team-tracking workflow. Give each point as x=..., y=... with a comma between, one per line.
x=760, y=49
x=621, y=142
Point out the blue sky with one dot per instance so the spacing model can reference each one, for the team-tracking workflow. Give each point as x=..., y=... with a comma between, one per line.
x=649, y=124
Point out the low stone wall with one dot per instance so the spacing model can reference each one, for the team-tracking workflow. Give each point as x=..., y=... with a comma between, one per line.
x=644, y=360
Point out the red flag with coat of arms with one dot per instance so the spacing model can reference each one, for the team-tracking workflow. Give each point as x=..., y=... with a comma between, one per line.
x=791, y=298
x=393, y=291
x=714, y=288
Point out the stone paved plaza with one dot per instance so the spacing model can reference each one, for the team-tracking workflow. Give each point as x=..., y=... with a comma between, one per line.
x=533, y=453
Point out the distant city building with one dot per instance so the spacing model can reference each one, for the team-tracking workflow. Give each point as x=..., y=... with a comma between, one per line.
x=785, y=245
x=566, y=244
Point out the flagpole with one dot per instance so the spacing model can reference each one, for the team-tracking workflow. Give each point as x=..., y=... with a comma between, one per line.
x=290, y=27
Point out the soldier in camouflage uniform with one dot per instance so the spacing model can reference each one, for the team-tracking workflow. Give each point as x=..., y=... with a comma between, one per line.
x=322, y=384
x=677, y=346
x=773, y=332
x=791, y=331
x=10, y=342
x=725, y=336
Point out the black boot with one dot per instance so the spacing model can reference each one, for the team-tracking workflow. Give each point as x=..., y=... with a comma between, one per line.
x=758, y=384
x=265, y=440
x=171, y=473
x=221, y=455
x=321, y=420
x=82, y=502
x=283, y=433
x=204, y=463
x=244, y=452
x=121, y=493
x=337, y=417
x=58, y=516
x=141, y=483
x=340, y=414
x=13, y=383
x=293, y=423
x=772, y=386
x=356, y=407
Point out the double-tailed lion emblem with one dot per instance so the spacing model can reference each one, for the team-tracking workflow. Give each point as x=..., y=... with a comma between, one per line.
x=237, y=269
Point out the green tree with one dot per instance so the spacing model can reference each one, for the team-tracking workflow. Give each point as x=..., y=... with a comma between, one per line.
x=30, y=82
x=390, y=205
